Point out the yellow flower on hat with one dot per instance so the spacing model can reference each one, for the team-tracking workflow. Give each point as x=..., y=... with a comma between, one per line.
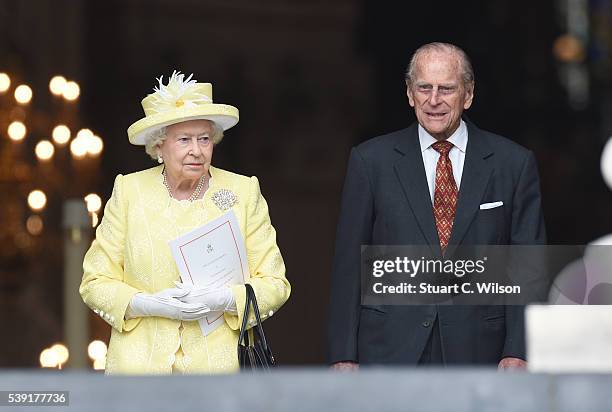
x=177, y=93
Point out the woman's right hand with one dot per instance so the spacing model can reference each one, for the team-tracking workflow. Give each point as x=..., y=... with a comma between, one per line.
x=166, y=305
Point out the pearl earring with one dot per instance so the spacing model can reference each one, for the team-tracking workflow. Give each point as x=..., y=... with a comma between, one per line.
x=160, y=160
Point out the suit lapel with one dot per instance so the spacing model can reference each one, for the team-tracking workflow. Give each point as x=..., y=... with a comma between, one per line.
x=477, y=170
x=411, y=174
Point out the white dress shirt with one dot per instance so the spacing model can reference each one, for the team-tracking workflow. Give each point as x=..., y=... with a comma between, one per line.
x=456, y=155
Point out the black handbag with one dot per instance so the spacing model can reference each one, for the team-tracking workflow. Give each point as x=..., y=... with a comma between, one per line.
x=256, y=355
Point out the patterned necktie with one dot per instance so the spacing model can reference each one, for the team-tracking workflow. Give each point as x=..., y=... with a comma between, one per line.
x=445, y=193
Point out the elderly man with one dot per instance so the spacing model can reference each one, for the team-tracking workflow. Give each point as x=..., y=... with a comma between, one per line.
x=425, y=185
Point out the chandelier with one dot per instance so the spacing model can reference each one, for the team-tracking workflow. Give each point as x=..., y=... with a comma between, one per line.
x=46, y=157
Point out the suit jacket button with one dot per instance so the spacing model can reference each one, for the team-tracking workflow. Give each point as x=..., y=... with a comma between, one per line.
x=426, y=324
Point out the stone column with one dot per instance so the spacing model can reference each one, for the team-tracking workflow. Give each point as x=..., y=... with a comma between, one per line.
x=77, y=237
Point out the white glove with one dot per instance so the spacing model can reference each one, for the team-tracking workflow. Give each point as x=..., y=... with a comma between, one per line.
x=165, y=304
x=216, y=300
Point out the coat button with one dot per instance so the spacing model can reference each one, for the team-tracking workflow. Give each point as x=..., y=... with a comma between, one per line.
x=426, y=324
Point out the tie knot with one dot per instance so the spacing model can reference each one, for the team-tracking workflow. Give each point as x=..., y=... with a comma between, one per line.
x=442, y=147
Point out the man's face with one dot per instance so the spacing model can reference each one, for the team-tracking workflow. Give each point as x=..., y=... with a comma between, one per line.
x=438, y=93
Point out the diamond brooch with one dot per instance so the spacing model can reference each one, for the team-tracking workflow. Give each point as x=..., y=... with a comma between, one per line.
x=224, y=199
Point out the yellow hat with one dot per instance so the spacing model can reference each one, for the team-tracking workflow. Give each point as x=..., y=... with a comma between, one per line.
x=178, y=101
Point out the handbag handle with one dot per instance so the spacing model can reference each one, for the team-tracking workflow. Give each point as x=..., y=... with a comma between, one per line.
x=251, y=300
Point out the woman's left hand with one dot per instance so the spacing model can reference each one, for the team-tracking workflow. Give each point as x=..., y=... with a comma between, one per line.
x=217, y=300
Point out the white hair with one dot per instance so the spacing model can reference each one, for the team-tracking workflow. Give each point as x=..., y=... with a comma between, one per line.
x=464, y=61
x=156, y=137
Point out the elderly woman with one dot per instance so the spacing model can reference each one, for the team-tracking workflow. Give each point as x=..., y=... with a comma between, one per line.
x=130, y=277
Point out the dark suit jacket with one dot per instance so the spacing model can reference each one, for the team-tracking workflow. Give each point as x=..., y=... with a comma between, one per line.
x=386, y=201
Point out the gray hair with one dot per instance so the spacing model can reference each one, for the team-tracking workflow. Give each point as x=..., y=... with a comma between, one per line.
x=156, y=137
x=464, y=60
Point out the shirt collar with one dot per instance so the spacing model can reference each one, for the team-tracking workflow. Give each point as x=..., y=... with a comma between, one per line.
x=458, y=139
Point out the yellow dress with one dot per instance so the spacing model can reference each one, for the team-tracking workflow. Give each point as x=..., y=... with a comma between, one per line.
x=131, y=254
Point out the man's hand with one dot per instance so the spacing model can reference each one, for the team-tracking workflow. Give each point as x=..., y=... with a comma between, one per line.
x=511, y=363
x=345, y=366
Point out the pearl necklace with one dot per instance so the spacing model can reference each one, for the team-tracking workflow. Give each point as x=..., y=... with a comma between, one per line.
x=196, y=193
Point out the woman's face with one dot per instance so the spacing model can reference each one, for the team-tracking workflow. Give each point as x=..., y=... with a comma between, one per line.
x=187, y=150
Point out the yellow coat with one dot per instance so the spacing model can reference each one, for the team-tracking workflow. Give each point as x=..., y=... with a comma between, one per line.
x=131, y=254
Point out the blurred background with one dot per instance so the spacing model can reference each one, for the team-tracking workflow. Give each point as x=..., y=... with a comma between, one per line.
x=311, y=79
